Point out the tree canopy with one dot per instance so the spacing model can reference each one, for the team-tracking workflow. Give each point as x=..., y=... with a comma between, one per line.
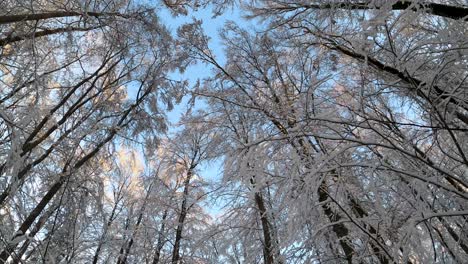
x=339, y=130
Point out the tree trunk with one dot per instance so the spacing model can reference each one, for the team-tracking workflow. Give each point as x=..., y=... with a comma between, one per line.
x=340, y=230
x=106, y=228
x=48, y=15
x=122, y=248
x=182, y=215
x=268, y=246
x=42, y=220
x=11, y=246
x=442, y=10
x=126, y=251
x=267, y=238
x=42, y=33
x=161, y=238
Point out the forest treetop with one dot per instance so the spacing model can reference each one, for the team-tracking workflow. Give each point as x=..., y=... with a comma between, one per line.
x=340, y=129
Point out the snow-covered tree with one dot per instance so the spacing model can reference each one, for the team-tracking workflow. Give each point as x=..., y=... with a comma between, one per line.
x=340, y=126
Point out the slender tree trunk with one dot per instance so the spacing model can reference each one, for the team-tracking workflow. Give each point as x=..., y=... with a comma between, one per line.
x=42, y=33
x=38, y=226
x=339, y=229
x=122, y=248
x=442, y=10
x=48, y=15
x=269, y=249
x=106, y=228
x=11, y=246
x=128, y=247
x=182, y=216
x=267, y=237
x=161, y=238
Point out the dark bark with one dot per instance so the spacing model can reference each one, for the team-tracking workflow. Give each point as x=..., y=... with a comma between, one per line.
x=268, y=247
x=442, y=10
x=161, y=238
x=106, y=228
x=122, y=248
x=267, y=238
x=10, y=247
x=340, y=230
x=453, y=234
x=42, y=220
x=29, y=143
x=182, y=216
x=57, y=14
x=42, y=33
x=128, y=246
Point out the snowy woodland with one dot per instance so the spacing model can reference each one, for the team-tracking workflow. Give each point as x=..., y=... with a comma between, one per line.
x=337, y=130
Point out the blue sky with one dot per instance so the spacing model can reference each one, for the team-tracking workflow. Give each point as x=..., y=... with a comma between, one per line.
x=210, y=171
x=212, y=27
